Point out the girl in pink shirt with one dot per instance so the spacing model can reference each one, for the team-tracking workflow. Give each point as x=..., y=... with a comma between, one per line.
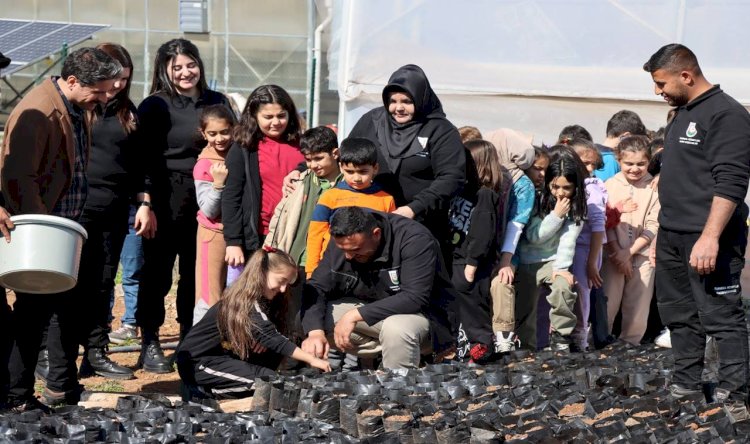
x=209, y=174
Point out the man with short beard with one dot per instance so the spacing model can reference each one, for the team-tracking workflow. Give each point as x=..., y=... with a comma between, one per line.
x=43, y=165
x=702, y=226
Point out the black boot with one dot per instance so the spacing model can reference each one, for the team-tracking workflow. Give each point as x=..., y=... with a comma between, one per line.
x=96, y=362
x=152, y=356
x=42, y=366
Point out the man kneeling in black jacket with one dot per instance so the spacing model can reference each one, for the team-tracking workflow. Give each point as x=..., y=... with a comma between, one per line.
x=381, y=287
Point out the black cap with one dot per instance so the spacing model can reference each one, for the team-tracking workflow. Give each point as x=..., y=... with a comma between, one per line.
x=4, y=61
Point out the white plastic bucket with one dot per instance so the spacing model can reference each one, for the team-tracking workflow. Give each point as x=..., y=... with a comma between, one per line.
x=43, y=254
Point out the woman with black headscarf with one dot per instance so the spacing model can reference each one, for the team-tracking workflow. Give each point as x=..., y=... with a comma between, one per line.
x=422, y=160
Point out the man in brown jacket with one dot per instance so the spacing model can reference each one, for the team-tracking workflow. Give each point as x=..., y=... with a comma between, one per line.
x=43, y=171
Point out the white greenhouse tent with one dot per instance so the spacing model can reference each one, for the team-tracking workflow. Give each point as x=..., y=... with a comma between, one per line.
x=533, y=65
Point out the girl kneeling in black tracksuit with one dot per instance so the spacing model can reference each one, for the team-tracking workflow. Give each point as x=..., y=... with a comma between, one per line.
x=238, y=339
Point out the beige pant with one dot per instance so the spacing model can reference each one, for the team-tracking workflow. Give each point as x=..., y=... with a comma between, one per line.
x=632, y=295
x=400, y=338
x=503, y=306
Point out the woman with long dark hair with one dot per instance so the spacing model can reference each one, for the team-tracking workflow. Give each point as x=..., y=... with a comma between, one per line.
x=169, y=127
x=115, y=178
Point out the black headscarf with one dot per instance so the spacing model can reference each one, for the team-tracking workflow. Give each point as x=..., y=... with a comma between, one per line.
x=400, y=140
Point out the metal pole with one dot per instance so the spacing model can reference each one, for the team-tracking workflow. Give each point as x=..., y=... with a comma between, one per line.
x=343, y=76
x=215, y=63
x=311, y=19
x=681, y=21
x=316, y=59
x=226, y=47
x=146, y=57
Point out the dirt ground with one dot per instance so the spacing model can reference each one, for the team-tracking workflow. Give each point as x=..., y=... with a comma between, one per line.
x=168, y=384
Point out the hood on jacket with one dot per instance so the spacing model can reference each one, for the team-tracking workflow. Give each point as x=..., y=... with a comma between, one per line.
x=514, y=149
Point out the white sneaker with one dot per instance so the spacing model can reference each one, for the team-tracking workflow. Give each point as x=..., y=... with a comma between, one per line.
x=664, y=339
x=505, y=344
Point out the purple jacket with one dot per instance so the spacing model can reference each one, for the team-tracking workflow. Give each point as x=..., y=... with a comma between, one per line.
x=596, y=200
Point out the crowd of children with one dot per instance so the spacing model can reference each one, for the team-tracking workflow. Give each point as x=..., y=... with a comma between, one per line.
x=573, y=261
x=547, y=246
x=534, y=233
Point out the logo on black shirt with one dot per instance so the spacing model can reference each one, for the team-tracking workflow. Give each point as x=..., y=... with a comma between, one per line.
x=691, y=131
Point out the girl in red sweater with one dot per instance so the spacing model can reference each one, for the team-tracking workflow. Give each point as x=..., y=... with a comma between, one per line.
x=267, y=148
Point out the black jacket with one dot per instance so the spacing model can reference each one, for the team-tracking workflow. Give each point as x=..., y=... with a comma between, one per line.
x=204, y=342
x=422, y=162
x=240, y=200
x=427, y=180
x=169, y=130
x=407, y=276
x=169, y=126
x=116, y=168
x=706, y=154
x=473, y=221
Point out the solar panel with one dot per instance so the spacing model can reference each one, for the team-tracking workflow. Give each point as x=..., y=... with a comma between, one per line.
x=7, y=26
x=28, y=42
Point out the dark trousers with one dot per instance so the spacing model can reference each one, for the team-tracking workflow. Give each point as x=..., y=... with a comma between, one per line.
x=598, y=317
x=224, y=376
x=474, y=304
x=693, y=306
x=6, y=342
x=176, y=208
x=294, y=307
x=32, y=314
x=96, y=278
x=90, y=297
